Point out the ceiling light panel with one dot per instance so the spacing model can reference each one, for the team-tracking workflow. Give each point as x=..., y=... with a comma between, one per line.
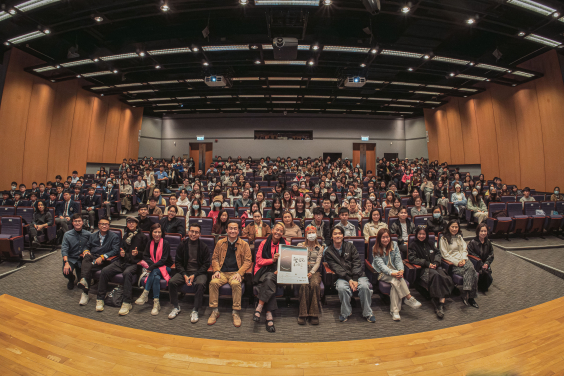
x=432, y=102
x=168, y=51
x=380, y=99
x=405, y=84
x=193, y=97
x=313, y=3
x=119, y=57
x=492, y=67
x=285, y=86
x=136, y=100
x=32, y=4
x=523, y=74
x=284, y=78
x=44, y=69
x=468, y=89
x=335, y=109
x=245, y=79
x=317, y=96
x=282, y=96
x=304, y=47
x=284, y=102
x=441, y=87
x=532, y=6
x=77, y=62
x=99, y=88
x=285, y=62
x=127, y=85
x=231, y=47
x=408, y=100
x=167, y=104
x=26, y=37
x=324, y=79
x=543, y=40
x=194, y=80
x=352, y=98
x=401, y=54
x=399, y=105
x=140, y=91
x=219, y=96
x=427, y=92
x=346, y=49
x=93, y=74
x=450, y=60
x=163, y=82
x=251, y=96
x=374, y=82
x=159, y=99
x=469, y=77
x=4, y=15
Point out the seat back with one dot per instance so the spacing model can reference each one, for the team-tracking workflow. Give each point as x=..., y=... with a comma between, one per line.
x=238, y=221
x=514, y=208
x=507, y=198
x=154, y=218
x=297, y=221
x=206, y=209
x=230, y=211
x=296, y=241
x=360, y=245
x=208, y=240
x=173, y=240
x=248, y=221
x=11, y=225
x=26, y=213
x=392, y=220
x=421, y=220
x=531, y=208
x=117, y=231
x=241, y=210
x=205, y=223
x=7, y=210
x=548, y=207
x=354, y=221
x=495, y=207
x=386, y=212
x=538, y=197
x=404, y=201
x=559, y=206
x=327, y=222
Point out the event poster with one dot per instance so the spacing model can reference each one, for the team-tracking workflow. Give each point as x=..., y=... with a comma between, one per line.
x=292, y=265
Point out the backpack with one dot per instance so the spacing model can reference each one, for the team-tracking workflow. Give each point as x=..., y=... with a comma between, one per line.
x=115, y=297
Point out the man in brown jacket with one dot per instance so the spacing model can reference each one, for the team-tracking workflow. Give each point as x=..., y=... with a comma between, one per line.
x=257, y=229
x=230, y=261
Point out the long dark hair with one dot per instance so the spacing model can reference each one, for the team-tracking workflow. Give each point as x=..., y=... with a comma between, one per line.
x=422, y=228
x=376, y=249
x=372, y=212
x=220, y=227
x=448, y=236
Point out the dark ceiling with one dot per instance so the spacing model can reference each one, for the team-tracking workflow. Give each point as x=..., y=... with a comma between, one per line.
x=432, y=32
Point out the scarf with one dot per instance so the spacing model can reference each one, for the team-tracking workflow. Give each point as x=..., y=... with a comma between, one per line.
x=267, y=254
x=130, y=236
x=156, y=257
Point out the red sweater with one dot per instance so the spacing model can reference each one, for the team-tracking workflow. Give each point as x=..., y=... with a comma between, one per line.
x=260, y=262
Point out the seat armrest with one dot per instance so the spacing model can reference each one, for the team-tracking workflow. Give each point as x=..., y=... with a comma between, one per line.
x=474, y=257
x=408, y=264
x=369, y=266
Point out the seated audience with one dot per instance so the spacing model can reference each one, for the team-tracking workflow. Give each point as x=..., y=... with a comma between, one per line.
x=6, y=199
x=556, y=196
x=478, y=206
x=322, y=228
x=436, y=224
x=192, y=262
x=458, y=198
x=215, y=207
x=153, y=208
x=74, y=243
x=482, y=248
x=291, y=230
x=41, y=219
x=64, y=211
x=144, y=222
x=170, y=224
x=256, y=229
x=526, y=196
x=403, y=228
x=374, y=225
x=418, y=209
x=388, y=264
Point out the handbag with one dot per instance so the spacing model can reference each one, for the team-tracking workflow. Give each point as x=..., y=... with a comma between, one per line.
x=115, y=297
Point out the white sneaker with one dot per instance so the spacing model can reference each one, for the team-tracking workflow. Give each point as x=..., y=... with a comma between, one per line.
x=173, y=313
x=194, y=317
x=99, y=305
x=413, y=303
x=83, y=283
x=156, y=307
x=144, y=298
x=125, y=308
x=84, y=299
x=395, y=316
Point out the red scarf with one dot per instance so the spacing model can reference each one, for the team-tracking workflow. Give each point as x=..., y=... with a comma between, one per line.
x=156, y=257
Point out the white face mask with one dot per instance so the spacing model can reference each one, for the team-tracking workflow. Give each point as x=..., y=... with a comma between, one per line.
x=332, y=198
x=307, y=199
x=14, y=187
x=311, y=237
x=475, y=193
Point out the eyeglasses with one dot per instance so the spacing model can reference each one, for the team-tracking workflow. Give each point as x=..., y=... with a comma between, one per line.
x=194, y=232
x=103, y=224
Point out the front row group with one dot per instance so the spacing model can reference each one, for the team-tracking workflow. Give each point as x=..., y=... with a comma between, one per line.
x=85, y=253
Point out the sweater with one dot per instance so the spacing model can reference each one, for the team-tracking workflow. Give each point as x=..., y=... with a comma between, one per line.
x=455, y=255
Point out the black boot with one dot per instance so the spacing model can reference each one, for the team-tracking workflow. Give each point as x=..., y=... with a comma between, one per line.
x=31, y=255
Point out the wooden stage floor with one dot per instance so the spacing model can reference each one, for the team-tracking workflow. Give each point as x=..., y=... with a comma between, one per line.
x=35, y=340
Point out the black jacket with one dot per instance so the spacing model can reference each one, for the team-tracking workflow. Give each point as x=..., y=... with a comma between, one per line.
x=347, y=267
x=436, y=225
x=396, y=229
x=145, y=224
x=204, y=259
x=176, y=226
x=139, y=241
x=484, y=251
x=8, y=202
x=440, y=192
x=43, y=196
x=423, y=254
x=109, y=248
x=42, y=218
x=165, y=257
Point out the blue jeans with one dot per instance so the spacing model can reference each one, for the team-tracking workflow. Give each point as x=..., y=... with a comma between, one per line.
x=345, y=295
x=154, y=282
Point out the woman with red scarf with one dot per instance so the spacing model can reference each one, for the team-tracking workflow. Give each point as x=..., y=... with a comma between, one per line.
x=157, y=261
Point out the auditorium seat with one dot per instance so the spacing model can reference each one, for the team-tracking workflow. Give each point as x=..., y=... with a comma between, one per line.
x=421, y=220
x=520, y=221
x=552, y=221
x=241, y=210
x=205, y=223
x=11, y=237
x=7, y=211
x=499, y=225
x=383, y=287
x=230, y=211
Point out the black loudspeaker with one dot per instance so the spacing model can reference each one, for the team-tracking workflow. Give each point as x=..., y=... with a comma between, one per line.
x=372, y=6
x=285, y=48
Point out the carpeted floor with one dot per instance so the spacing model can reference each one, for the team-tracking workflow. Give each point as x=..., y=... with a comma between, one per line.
x=517, y=285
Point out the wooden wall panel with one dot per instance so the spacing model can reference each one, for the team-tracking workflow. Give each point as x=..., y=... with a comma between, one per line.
x=195, y=155
x=529, y=131
x=506, y=127
x=14, y=111
x=443, y=139
x=371, y=158
x=112, y=131
x=487, y=135
x=133, y=137
x=455, y=132
x=469, y=129
x=550, y=95
x=38, y=131
x=431, y=127
x=80, y=136
x=61, y=130
x=123, y=134
x=97, y=130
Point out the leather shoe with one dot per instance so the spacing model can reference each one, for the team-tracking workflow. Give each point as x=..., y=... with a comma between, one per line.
x=236, y=320
x=465, y=301
x=301, y=321
x=473, y=303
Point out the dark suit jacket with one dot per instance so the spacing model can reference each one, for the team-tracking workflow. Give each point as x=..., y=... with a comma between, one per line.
x=91, y=202
x=8, y=202
x=79, y=199
x=73, y=208
x=111, y=197
x=109, y=248
x=43, y=196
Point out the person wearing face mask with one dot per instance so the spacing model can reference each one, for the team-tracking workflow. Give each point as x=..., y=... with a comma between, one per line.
x=424, y=254
x=482, y=248
x=492, y=196
x=216, y=206
x=198, y=196
x=303, y=188
x=436, y=224
x=557, y=196
x=14, y=189
x=310, y=294
x=478, y=206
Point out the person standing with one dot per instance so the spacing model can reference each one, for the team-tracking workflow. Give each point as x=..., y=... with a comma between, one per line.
x=310, y=293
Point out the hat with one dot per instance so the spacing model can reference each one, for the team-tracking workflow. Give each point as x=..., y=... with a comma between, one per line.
x=218, y=198
x=132, y=219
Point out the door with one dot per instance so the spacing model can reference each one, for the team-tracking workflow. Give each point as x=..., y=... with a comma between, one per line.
x=364, y=154
x=202, y=153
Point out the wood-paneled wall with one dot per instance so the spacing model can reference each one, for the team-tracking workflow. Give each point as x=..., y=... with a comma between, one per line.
x=515, y=133
x=50, y=129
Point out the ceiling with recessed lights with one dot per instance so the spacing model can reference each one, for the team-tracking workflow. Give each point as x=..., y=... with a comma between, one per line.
x=194, y=56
